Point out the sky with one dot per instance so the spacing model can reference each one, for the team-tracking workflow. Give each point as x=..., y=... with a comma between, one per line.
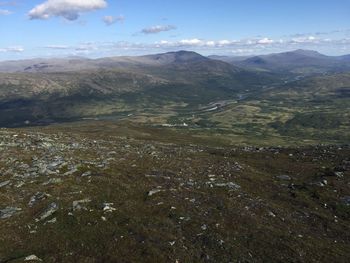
x=100, y=28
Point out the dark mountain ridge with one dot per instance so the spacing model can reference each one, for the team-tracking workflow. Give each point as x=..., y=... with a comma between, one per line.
x=36, y=90
x=297, y=62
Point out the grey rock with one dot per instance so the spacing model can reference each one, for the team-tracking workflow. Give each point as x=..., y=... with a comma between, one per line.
x=284, y=177
x=55, y=164
x=36, y=198
x=72, y=171
x=52, y=221
x=339, y=174
x=346, y=200
x=32, y=258
x=80, y=204
x=107, y=207
x=88, y=173
x=50, y=210
x=53, y=181
x=5, y=183
x=322, y=183
x=154, y=191
x=230, y=185
x=20, y=184
x=9, y=212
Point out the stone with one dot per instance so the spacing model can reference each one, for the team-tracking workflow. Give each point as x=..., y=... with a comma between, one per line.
x=51, y=209
x=107, y=207
x=72, y=171
x=153, y=192
x=53, y=181
x=80, y=204
x=346, y=200
x=52, y=221
x=88, y=173
x=230, y=185
x=9, y=212
x=339, y=174
x=32, y=258
x=20, y=184
x=3, y=184
x=272, y=214
x=284, y=177
x=36, y=198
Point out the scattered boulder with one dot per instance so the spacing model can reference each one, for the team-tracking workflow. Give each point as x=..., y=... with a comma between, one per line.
x=3, y=184
x=32, y=258
x=88, y=173
x=339, y=174
x=53, y=181
x=284, y=177
x=36, y=198
x=344, y=166
x=71, y=172
x=80, y=204
x=154, y=191
x=322, y=183
x=9, y=212
x=346, y=200
x=230, y=185
x=51, y=209
x=107, y=207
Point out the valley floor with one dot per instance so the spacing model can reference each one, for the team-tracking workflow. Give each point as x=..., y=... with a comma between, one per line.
x=113, y=193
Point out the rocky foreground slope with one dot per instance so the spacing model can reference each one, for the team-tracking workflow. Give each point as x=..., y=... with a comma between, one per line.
x=68, y=196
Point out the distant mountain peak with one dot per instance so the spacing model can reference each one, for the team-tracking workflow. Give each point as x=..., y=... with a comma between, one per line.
x=177, y=57
x=306, y=52
x=183, y=56
x=185, y=53
x=256, y=60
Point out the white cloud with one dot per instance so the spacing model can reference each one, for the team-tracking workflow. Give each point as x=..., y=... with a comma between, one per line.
x=15, y=49
x=57, y=47
x=5, y=12
x=205, y=46
x=306, y=39
x=240, y=47
x=210, y=43
x=110, y=20
x=195, y=42
x=191, y=42
x=69, y=9
x=224, y=42
x=265, y=41
x=158, y=29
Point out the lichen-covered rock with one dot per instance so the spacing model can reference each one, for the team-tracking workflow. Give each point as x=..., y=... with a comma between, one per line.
x=50, y=210
x=9, y=212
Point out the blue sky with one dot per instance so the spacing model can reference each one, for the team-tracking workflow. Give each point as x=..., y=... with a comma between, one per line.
x=96, y=28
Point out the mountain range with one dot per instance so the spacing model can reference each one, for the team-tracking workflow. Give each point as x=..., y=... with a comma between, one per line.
x=40, y=91
x=298, y=61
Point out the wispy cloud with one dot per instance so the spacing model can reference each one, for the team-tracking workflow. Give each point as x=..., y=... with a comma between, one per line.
x=16, y=49
x=320, y=33
x=5, y=12
x=58, y=47
x=304, y=39
x=158, y=29
x=249, y=46
x=68, y=9
x=110, y=20
x=265, y=41
x=8, y=3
